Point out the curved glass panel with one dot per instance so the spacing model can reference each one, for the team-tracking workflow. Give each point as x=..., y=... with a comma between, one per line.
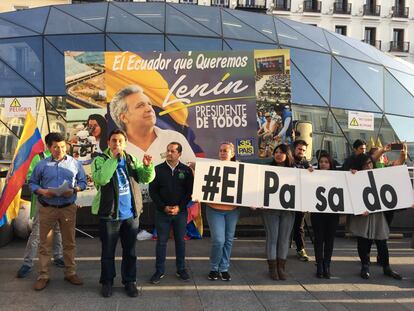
x=265, y=25
x=54, y=79
x=78, y=42
x=14, y=85
x=246, y=45
x=397, y=99
x=317, y=71
x=195, y=44
x=122, y=21
x=339, y=47
x=169, y=46
x=406, y=80
x=181, y=24
x=302, y=92
x=34, y=19
x=341, y=117
x=10, y=30
x=131, y=42
x=25, y=56
x=289, y=36
x=151, y=13
x=311, y=32
x=62, y=23
x=110, y=45
x=403, y=127
x=235, y=29
x=208, y=16
x=91, y=13
x=370, y=77
x=346, y=93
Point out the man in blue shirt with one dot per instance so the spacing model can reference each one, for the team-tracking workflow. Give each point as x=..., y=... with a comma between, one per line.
x=48, y=175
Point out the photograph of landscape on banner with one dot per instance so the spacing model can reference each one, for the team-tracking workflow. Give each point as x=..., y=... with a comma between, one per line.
x=196, y=98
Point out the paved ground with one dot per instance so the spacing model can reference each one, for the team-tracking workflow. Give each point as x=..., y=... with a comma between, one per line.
x=250, y=289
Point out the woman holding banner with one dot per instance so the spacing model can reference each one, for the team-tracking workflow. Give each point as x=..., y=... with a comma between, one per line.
x=371, y=227
x=324, y=227
x=222, y=221
x=278, y=224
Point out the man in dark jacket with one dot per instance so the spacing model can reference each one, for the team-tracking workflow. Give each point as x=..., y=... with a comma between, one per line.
x=171, y=191
x=118, y=205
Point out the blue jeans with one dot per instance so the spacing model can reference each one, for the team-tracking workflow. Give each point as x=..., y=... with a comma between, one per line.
x=222, y=226
x=163, y=223
x=110, y=231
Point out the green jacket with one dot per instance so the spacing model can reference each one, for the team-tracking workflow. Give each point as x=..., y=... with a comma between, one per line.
x=105, y=203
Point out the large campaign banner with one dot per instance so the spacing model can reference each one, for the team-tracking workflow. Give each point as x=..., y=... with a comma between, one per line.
x=291, y=189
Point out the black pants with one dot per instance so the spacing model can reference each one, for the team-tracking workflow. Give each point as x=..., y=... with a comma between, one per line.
x=299, y=230
x=110, y=231
x=324, y=228
x=364, y=249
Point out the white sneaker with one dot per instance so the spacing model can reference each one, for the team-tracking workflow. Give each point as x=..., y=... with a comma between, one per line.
x=144, y=235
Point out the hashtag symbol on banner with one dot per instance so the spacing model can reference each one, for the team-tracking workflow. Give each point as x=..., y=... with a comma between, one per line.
x=212, y=179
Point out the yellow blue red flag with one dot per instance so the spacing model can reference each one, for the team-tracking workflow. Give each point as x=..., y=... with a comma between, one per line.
x=30, y=144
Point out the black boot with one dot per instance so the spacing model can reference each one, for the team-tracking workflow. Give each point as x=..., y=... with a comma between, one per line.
x=365, y=272
x=326, y=270
x=319, y=270
x=389, y=272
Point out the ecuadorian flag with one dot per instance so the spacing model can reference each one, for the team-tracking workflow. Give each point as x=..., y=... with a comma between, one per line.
x=30, y=144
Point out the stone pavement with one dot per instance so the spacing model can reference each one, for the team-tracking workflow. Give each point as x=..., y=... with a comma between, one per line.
x=250, y=288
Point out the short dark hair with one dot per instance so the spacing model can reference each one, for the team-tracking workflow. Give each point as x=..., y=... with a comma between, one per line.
x=300, y=142
x=179, y=146
x=116, y=132
x=359, y=161
x=53, y=137
x=358, y=143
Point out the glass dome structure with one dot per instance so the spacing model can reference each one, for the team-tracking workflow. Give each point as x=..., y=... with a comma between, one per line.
x=331, y=74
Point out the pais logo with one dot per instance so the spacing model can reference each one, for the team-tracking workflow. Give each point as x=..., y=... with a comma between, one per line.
x=245, y=146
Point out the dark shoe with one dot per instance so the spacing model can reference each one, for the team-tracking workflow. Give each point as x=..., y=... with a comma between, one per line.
x=183, y=275
x=156, y=277
x=59, y=262
x=131, y=289
x=365, y=272
x=106, y=289
x=379, y=263
x=213, y=275
x=319, y=270
x=281, y=265
x=225, y=276
x=272, y=269
x=326, y=271
x=23, y=271
x=73, y=279
x=40, y=284
x=389, y=272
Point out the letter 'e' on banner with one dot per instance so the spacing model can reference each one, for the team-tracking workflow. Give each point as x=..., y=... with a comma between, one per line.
x=380, y=190
x=325, y=192
x=279, y=188
x=225, y=182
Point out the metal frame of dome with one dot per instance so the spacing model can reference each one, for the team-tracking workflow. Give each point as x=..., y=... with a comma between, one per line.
x=328, y=70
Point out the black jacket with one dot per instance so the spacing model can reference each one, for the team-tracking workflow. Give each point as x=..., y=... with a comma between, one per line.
x=171, y=188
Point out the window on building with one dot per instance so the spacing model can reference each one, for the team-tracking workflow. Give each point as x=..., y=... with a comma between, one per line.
x=398, y=35
x=370, y=35
x=340, y=29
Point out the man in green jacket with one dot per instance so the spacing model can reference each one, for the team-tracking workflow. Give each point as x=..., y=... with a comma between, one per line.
x=118, y=204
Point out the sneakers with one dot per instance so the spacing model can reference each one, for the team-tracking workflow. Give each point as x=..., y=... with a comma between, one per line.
x=364, y=272
x=106, y=289
x=302, y=255
x=225, y=276
x=40, y=284
x=23, y=271
x=156, y=277
x=144, y=235
x=183, y=275
x=213, y=275
x=131, y=289
x=59, y=262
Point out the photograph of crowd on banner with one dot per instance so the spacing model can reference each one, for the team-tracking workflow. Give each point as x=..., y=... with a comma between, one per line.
x=273, y=98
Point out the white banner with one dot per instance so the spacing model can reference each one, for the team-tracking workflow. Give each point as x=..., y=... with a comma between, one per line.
x=361, y=120
x=18, y=107
x=253, y=185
